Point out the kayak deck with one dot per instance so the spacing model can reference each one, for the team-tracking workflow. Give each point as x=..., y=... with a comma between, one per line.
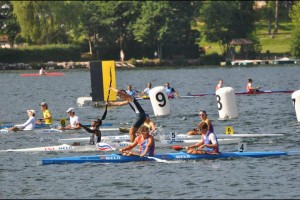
x=118, y=158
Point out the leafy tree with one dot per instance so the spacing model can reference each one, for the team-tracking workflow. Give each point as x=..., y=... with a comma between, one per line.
x=8, y=23
x=226, y=20
x=45, y=22
x=165, y=22
x=295, y=16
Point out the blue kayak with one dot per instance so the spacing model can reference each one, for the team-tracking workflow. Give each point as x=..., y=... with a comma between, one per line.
x=118, y=158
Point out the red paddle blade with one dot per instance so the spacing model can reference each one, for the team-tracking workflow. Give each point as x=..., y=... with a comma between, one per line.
x=178, y=148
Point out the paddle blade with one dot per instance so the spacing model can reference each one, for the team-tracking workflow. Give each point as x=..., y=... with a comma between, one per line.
x=105, y=147
x=178, y=148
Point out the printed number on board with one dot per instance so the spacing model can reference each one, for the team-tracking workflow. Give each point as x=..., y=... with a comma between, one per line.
x=173, y=135
x=242, y=147
x=219, y=102
x=160, y=97
x=62, y=121
x=228, y=130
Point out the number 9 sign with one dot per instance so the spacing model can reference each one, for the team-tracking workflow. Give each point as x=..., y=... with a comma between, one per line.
x=159, y=100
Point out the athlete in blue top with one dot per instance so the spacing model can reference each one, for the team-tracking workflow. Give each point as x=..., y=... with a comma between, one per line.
x=170, y=91
x=136, y=107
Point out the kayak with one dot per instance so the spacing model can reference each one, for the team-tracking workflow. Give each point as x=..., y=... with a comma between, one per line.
x=47, y=74
x=242, y=93
x=38, y=126
x=169, y=137
x=227, y=136
x=53, y=130
x=118, y=158
x=66, y=147
x=162, y=142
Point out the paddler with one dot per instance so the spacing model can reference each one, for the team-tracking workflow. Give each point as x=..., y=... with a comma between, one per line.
x=95, y=129
x=28, y=125
x=74, y=121
x=203, y=117
x=208, y=144
x=150, y=125
x=136, y=107
x=146, y=142
x=249, y=87
x=47, y=117
x=170, y=91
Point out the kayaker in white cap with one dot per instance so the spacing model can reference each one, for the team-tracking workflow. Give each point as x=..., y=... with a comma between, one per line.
x=28, y=125
x=74, y=121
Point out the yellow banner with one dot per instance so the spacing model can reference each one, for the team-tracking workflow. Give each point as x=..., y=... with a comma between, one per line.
x=109, y=74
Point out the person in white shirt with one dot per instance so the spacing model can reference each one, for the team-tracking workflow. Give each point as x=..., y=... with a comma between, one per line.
x=74, y=121
x=28, y=125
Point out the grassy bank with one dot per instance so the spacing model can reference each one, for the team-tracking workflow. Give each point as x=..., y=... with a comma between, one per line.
x=278, y=45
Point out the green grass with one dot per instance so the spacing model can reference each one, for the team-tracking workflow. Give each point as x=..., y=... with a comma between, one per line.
x=277, y=45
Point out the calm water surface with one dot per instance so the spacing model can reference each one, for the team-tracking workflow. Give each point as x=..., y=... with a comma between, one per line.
x=276, y=178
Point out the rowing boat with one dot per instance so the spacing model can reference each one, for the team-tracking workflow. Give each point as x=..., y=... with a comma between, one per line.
x=47, y=74
x=242, y=93
x=118, y=158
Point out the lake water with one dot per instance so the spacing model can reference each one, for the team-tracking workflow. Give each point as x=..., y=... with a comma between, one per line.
x=273, y=177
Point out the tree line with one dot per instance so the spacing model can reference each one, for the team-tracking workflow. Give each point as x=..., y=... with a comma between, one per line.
x=141, y=27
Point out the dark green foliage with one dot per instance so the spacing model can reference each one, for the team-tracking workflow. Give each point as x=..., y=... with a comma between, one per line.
x=40, y=54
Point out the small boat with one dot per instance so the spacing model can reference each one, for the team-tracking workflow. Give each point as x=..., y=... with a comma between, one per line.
x=160, y=142
x=228, y=136
x=47, y=74
x=38, y=126
x=118, y=158
x=66, y=147
x=243, y=93
x=54, y=130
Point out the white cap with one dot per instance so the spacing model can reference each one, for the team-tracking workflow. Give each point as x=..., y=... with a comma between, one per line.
x=70, y=110
x=33, y=111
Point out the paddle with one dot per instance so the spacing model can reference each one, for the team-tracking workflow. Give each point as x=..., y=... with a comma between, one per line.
x=105, y=112
x=150, y=157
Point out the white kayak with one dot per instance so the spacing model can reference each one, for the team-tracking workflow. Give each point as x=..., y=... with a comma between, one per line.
x=53, y=130
x=112, y=146
x=166, y=141
x=228, y=136
x=66, y=147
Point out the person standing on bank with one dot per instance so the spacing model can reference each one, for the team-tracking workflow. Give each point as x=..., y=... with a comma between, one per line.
x=136, y=107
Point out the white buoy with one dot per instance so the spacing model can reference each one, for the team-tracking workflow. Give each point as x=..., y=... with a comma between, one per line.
x=159, y=100
x=296, y=102
x=226, y=103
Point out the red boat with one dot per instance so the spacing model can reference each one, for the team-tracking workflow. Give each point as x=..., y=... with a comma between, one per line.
x=47, y=74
